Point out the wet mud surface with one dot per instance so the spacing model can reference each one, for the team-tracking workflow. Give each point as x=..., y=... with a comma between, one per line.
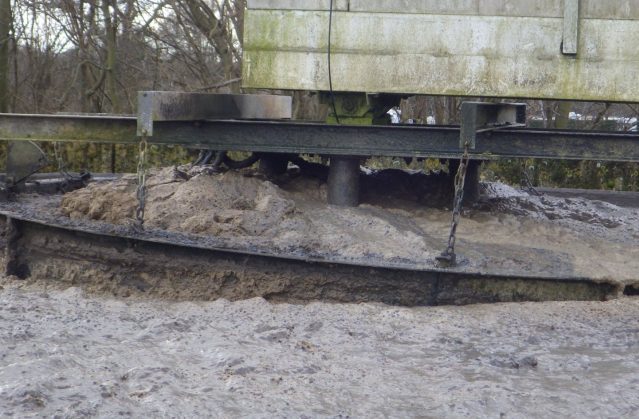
x=147, y=269
x=73, y=347
x=64, y=353
x=508, y=232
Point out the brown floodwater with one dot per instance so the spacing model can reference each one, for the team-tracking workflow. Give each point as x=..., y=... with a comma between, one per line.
x=67, y=354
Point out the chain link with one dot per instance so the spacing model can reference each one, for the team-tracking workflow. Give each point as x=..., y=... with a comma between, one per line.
x=448, y=257
x=140, y=192
x=58, y=157
x=526, y=184
x=62, y=167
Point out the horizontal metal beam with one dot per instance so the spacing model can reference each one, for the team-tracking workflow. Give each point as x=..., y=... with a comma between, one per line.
x=74, y=128
x=291, y=137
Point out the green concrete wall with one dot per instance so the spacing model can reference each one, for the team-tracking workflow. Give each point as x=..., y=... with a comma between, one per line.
x=490, y=48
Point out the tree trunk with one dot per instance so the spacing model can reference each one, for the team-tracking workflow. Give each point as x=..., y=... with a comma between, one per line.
x=110, y=28
x=5, y=27
x=206, y=21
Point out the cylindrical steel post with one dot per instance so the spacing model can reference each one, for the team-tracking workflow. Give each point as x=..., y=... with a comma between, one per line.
x=471, y=187
x=343, y=181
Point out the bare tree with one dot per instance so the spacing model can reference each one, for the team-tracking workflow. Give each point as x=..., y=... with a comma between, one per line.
x=220, y=24
x=5, y=28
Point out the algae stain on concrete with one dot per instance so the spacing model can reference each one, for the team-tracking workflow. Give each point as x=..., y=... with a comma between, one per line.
x=441, y=54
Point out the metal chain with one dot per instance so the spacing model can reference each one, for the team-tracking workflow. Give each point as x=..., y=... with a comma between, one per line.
x=526, y=184
x=140, y=192
x=58, y=156
x=448, y=257
x=62, y=167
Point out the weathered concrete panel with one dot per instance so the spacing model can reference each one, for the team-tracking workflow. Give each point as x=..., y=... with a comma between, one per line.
x=590, y=9
x=297, y=4
x=610, y=9
x=451, y=7
x=522, y=8
x=442, y=54
x=526, y=8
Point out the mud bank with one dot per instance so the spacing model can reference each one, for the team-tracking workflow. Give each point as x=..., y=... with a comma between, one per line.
x=67, y=354
x=508, y=232
x=133, y=266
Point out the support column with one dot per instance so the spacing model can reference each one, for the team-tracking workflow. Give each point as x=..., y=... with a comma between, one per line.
x=12, y=264
x=353, y=109
x=343, y=181
x=471, y=187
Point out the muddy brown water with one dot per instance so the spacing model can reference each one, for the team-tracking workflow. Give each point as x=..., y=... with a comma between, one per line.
x=67, y=354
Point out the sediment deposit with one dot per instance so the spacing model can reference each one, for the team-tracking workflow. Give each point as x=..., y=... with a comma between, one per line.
x=507, y=232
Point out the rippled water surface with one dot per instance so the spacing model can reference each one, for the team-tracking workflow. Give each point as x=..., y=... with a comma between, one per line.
x=68, y=354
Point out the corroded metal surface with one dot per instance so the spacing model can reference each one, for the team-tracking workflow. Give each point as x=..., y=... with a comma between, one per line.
x=342, y=140
x=501, y=49
x=483, y=116
x=24, y=158
x=343, y=181
x=33, y=250
x=73, y=128
x=180, y=106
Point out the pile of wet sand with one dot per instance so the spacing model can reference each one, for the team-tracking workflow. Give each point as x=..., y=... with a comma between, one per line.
x=401, y=218
x=244, y=205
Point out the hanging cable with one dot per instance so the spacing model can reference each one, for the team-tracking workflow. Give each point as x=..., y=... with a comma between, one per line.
x=330, y=76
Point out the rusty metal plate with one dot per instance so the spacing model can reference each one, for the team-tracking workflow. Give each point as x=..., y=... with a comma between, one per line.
x=24, y=158
x=178, y=106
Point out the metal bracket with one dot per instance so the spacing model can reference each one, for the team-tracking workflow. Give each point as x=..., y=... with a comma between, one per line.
x=477, y=117
x=178, y=106
x=24, y=158
x=570, y=42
